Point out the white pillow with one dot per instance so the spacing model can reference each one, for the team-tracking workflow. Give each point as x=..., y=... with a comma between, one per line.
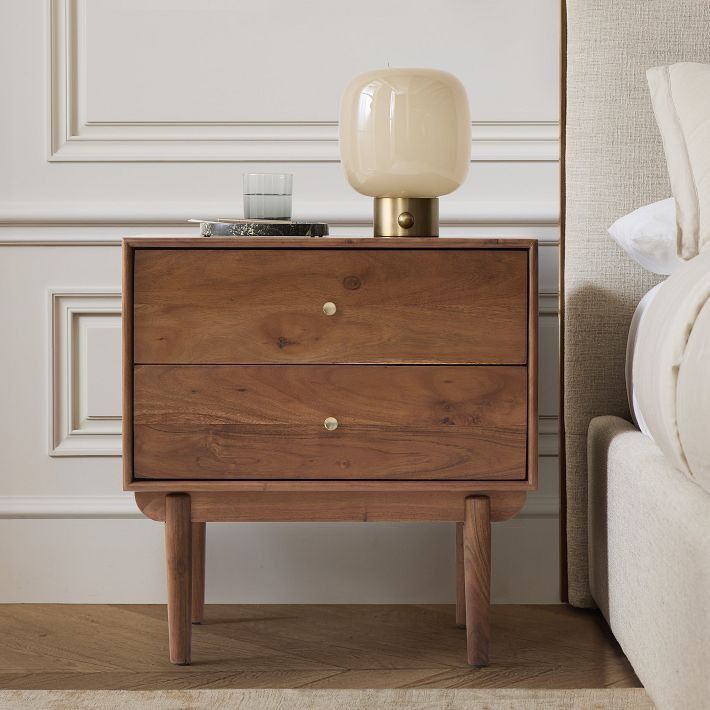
x=649, y=235
x=681, y=101
x=671, y=368
x=631, y=344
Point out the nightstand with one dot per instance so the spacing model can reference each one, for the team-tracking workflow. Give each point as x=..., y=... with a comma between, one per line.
x=329, y=380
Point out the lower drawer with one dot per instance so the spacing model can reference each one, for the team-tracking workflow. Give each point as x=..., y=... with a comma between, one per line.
x=386, y=422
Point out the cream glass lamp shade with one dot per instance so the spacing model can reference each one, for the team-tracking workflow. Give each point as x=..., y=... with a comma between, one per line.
x=405, y=136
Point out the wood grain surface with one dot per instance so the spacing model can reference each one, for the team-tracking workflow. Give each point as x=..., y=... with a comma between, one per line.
x=352, y=485
x=178, y=555
x=383, y=396
x=323, y=507
x=306, y=645
x=332, y=242
x=254, y=452
x=239, y=364
x=268, y=422
x=238, y=306
x=477, y=577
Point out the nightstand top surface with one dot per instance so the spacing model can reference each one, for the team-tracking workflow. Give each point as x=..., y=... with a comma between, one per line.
x=172, y=242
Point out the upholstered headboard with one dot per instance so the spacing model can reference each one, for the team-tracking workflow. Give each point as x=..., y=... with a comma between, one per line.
x=613, y=163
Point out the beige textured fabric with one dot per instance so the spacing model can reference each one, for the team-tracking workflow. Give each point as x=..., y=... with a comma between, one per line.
x=443, y=699
x=681, y=102
x=614, y=164
x=650, y=562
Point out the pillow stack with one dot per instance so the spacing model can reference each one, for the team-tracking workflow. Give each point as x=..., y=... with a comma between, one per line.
x=681, y=102
x=668, y=353
x=671, y=369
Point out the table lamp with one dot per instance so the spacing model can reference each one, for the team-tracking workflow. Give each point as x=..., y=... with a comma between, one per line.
x=405, y=139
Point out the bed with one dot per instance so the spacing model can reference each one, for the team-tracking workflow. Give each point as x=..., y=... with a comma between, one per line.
x=636, y=532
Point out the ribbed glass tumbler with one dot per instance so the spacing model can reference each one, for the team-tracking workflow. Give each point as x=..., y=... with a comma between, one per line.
x=267, y=195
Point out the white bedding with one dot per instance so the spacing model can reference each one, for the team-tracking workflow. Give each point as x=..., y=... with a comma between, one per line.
x=671, y=368
x=631, y=349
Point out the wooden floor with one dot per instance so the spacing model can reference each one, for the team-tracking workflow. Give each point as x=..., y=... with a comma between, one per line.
x=335, y=646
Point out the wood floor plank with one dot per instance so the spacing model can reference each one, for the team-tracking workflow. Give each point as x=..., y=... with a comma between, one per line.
x=130, y=642
x=153, y=681
x=376, y=678
x=358, y=637
x=314, y=646
x=352, y=636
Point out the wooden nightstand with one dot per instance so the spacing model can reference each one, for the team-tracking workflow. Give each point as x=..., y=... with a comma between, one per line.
x=329, y=379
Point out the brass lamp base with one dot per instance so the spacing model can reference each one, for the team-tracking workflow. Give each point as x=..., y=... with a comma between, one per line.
x=406, y=217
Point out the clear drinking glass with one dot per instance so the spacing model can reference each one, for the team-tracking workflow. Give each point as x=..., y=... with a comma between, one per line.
x=267, y=195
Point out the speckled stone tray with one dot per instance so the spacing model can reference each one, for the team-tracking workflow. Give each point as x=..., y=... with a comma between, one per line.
x=246, y=228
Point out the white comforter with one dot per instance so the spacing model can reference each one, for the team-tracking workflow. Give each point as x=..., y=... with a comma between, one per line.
x=671, y=369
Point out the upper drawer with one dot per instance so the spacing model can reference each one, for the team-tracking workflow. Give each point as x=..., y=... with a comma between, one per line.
x=222, y=306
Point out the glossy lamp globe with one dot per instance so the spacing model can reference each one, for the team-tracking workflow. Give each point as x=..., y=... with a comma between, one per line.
x=405, y=139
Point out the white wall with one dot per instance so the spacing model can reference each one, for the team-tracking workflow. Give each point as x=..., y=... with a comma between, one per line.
x=126, y=117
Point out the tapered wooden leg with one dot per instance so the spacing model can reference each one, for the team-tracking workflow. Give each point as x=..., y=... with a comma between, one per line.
x=477, y=574
x=460, y=593
x=178, y=552
x=198, y=571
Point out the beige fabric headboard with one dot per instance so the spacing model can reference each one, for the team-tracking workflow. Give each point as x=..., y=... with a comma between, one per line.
x=613, y=163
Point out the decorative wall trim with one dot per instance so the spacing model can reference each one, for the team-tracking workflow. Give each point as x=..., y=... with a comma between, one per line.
x=548, y=426
x=548, y=435
x=358, y=211
x=40, y=507
x=123, y=506
x=71, y=431
x=73, y=138
x=491, y=142
x=548, y=303
x=454, y=213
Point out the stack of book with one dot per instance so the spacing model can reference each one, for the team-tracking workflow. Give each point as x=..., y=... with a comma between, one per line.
x=260, y=228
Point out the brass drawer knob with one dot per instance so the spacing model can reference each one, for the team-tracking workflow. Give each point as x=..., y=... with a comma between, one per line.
x=330, y=423
x=329, y=309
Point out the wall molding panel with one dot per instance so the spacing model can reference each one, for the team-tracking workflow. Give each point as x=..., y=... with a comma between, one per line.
x=548, y=303
x=356, y=213
x=79, y=426
x=454, y=212
x=548, y=436
x=75, y=138
x=548, y=425
x=73, y=507
x=121, y=123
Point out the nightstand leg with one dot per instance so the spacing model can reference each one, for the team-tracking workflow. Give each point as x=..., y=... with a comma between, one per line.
x=178, y=553
x=460, y=586
x=477, y=574
x=199, y=531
